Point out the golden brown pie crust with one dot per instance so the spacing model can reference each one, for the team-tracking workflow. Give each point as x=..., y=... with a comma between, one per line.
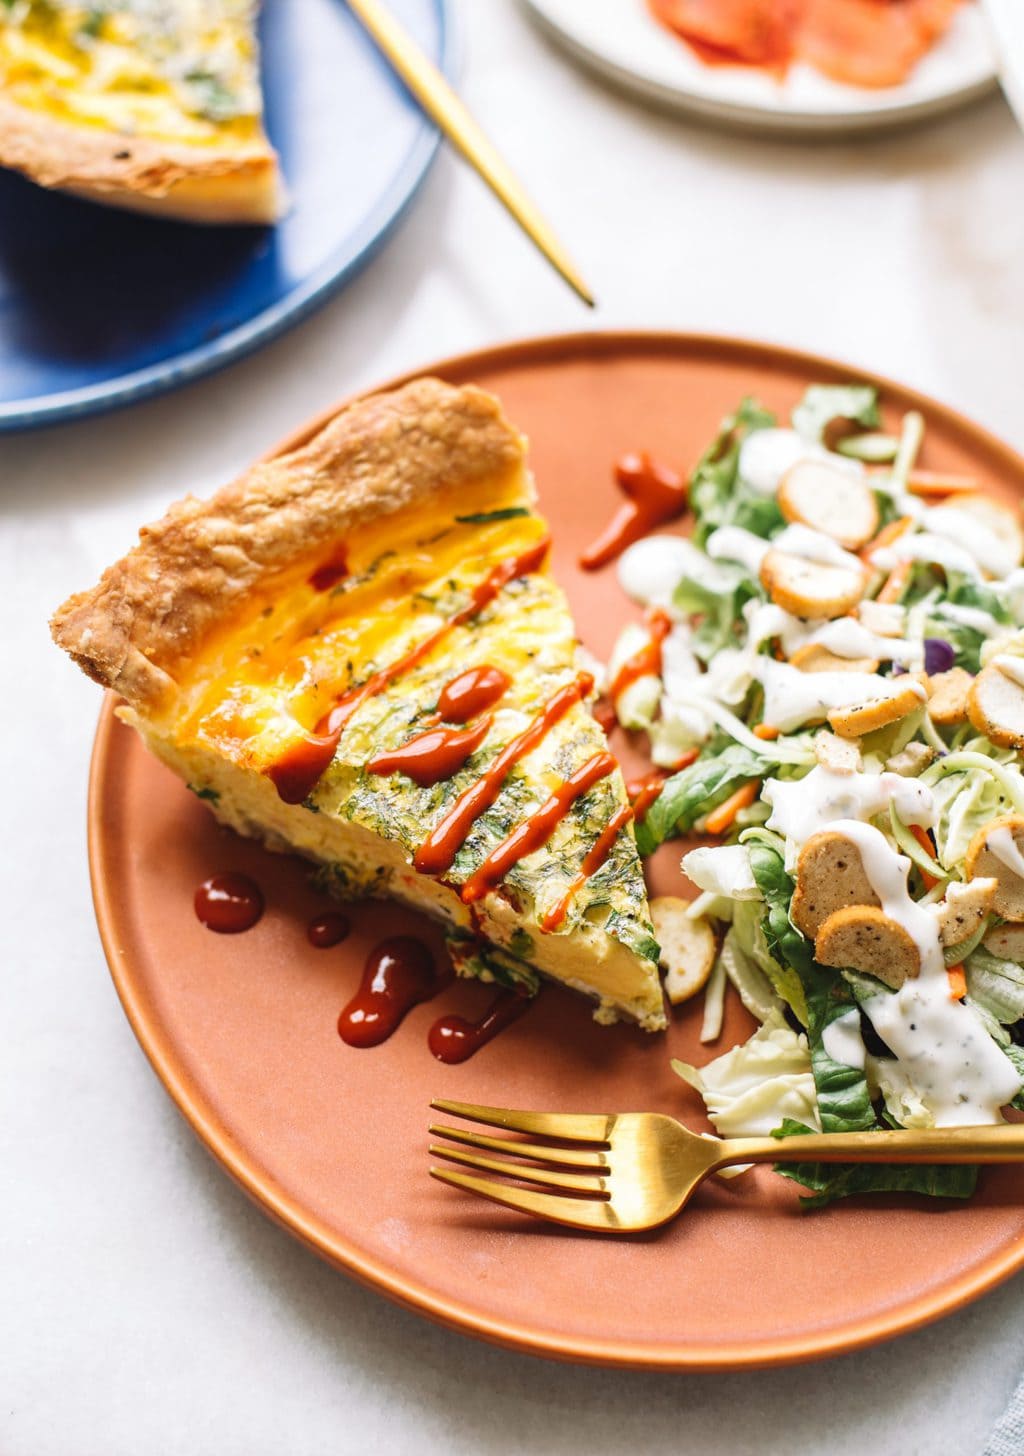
x=236, y=184
x=191, y=570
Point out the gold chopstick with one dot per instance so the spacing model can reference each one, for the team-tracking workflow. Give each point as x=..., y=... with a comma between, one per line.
x=441, y=103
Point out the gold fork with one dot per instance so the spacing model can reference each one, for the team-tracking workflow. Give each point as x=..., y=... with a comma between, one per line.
x=629, y=1171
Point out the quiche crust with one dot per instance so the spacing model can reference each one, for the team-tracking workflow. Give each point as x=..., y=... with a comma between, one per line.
x=237, y=183
x=152, y=610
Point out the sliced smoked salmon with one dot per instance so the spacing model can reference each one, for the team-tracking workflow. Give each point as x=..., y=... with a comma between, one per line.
x=868, y=43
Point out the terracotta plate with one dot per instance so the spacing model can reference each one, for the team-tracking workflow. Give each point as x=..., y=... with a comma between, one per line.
x=331, y=1141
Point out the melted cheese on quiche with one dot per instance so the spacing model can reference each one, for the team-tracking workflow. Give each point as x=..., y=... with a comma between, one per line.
x=175, y=70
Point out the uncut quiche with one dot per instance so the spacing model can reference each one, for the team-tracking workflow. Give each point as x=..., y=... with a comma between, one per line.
x=153, y=105
x=357, y=652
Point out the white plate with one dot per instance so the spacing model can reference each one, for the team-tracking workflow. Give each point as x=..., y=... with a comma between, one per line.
x=622, y=40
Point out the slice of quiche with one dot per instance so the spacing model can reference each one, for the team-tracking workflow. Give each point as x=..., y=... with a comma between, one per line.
x=153, y=105
x=357, y=652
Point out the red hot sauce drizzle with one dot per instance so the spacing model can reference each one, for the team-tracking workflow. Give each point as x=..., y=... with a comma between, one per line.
x=398, y=975
x=604, y=715
x=654, y=494
x=432, y=756
x=295, y=774
x=472, y=692
x=599, y=852
x=437, y=852
x=643, y=792
x=646, y=662
x=326, y=930
x=229, y=903
x=454, y=1039
x=535, y=831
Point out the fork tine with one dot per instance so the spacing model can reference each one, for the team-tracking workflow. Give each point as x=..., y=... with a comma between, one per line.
x=591, y=1183
x=539, y=1152
x=576, y=1212
x=586, y=1127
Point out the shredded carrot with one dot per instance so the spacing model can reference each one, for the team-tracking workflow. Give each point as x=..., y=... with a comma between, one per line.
x=924, y=840
x=887, y=535
x=765, y=731
x=892, y=587
x=718, y=821
x=957, y=982
x=937, y=483
x=690, y=756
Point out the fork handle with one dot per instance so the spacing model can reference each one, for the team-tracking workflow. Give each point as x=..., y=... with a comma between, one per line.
x=1003, y=1143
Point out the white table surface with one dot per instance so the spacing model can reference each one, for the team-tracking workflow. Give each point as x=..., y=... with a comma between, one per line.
x=147, y=1307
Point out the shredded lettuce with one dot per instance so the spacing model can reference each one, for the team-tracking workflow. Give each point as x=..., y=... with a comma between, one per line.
x=717, y=497
x=747, y=1091
x=825, y=402
x=689, y=794
x=749, y=921
x=966, y=799
x=996, y=985
x=718, y=599
x=722, y=869
x=751, y=982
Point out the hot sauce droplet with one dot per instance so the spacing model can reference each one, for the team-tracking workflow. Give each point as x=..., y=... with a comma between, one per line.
x=654, y=495
x=229, y=903
x=332, y=571
x=454, y=1039
x=296, y=773
x=323, y=931
x=433, y=756
x=471, y=693
x=398, y=975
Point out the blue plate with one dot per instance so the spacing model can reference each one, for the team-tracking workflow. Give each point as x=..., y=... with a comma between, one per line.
x=99, y=307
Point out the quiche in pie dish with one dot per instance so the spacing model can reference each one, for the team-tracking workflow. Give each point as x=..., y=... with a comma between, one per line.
x=153, y=105
x=357, y=652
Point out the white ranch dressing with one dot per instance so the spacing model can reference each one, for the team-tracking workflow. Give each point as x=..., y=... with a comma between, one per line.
x=766, y=455
x=975, y=617
x=945, y=1053
x=792, y=697
x=804, y=807
x=650, y=570
x=846, y=637
x=811, y=545
x=948, y=1057
x=1003, y=845
x=1011, y=592
x=843, y=1042
x=990, y=551
x=935, y=550
x=735, y=543
x=765, y=620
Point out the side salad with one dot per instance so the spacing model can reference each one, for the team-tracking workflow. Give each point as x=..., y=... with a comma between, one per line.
x=831, y=676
